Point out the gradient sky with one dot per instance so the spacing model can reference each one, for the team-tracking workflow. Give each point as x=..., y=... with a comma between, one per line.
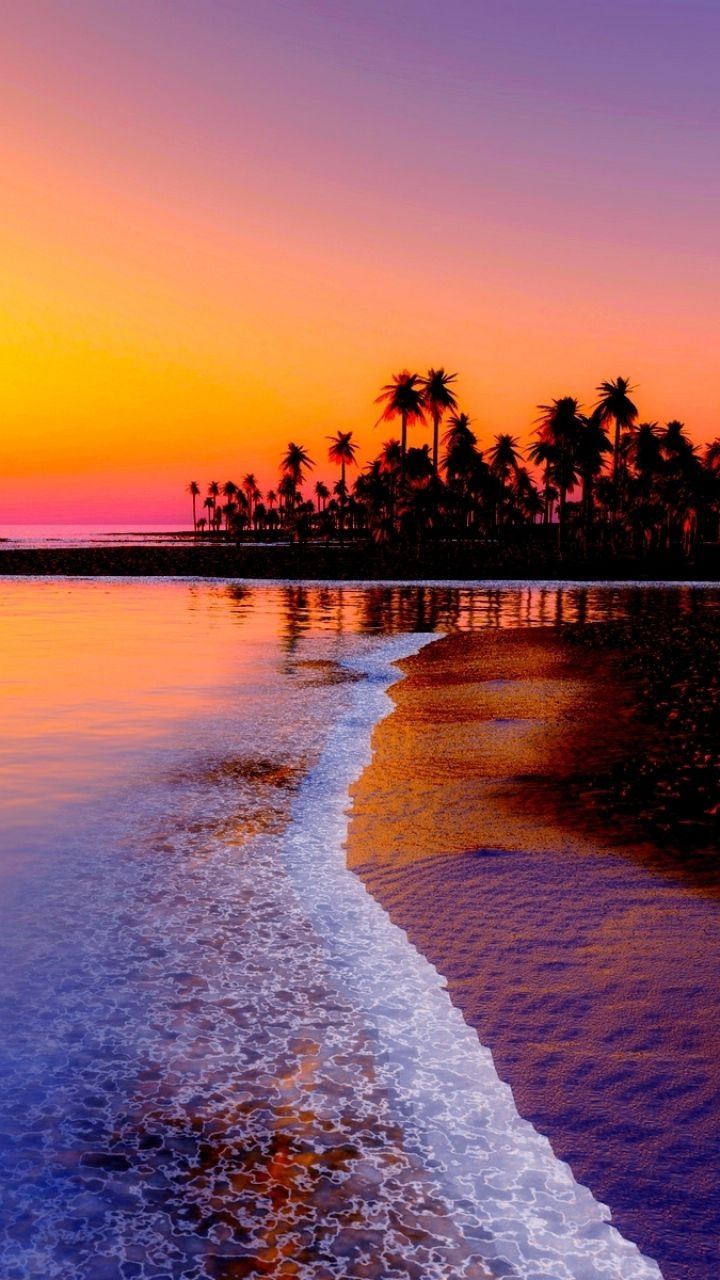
x=225, y=223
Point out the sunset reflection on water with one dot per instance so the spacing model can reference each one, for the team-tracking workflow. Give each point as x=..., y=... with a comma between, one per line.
x=190, y=1081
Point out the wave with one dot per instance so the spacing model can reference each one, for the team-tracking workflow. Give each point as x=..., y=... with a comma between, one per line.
x=516, y=1208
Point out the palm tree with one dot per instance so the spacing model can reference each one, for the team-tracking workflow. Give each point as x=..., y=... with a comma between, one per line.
x=322, y=493
x=616, y=406
x=505, y=456
x=675, y=442
x=287, y=492
x=644, y=451
x=527, y=501
x=683, y=481
x=591, y=447
x=438, y=398
x=504, y=460
x=465, y=471
x=231, y=513
x=213, y=495
x=390, y=464
x=403, y=399
x=249, y=487
x=459, y=431
x=390, y=457
x=541, y=453
x=711, y=473
x=294, y=463
x=194, y=490
x=711, y=456
x=559, y=427
x=420, y=469
x=342, y=451
x=230, y=491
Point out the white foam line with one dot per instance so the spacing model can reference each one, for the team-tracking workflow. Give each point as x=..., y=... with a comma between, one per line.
x=520, y=1205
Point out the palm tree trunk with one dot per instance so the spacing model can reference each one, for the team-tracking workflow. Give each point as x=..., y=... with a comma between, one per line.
x=342, y=500
x=587, y=507
x=561, y=519
x=436, y=439
x=403, y=442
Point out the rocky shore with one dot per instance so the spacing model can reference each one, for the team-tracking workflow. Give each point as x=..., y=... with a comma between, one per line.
x=670, y=789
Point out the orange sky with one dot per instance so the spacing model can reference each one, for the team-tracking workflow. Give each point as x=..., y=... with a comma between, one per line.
x=219, y=233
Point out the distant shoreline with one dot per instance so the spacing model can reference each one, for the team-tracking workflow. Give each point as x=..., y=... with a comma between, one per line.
x=321, y=562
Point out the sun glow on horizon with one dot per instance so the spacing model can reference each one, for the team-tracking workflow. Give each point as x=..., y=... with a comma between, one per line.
x=211, y=246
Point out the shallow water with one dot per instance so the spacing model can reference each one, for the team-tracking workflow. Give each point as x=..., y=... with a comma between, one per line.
x=219, y=1058
x=88, y=535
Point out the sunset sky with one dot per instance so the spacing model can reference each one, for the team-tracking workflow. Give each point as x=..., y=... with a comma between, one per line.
x=226, y=222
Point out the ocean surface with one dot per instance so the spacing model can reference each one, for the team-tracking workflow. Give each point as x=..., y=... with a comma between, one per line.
x=91, y=535
x=219, y=1057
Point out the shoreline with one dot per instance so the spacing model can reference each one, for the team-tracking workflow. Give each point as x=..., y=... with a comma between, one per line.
x=587, y=968
x=516, y=1201
x=359, y=563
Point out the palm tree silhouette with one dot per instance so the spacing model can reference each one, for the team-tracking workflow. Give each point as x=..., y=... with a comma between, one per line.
x=591, y=447
x=504, y=460
x=322, y=493
x=230, y=493
x=438, y=398
x=249, y=487
x=559, y=427
x=459, y=431
x=615, y=405
x=541, y=453
x=293, y=466
x=194, y=490
x=660, y=494
x=644, y=454
x=213, y=495
x=465, y=470
x=403, y=399
x=342, y=451
x=295, y=462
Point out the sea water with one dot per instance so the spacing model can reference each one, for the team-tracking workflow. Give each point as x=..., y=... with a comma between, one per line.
x=219, y=1057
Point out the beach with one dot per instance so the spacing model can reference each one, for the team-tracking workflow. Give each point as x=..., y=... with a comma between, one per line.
x=223, y=1057
x=585, y=956
x=220, y=1056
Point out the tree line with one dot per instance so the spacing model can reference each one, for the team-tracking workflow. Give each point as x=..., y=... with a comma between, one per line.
x=595, y=480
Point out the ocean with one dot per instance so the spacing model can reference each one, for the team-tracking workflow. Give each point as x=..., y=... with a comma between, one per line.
x=219, y=1055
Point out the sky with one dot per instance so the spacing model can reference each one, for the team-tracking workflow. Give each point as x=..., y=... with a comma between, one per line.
x=225, y=223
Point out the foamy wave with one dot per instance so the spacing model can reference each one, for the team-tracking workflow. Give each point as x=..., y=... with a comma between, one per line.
x=518, y=1208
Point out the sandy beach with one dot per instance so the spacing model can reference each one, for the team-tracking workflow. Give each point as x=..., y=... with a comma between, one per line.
x=588, y=963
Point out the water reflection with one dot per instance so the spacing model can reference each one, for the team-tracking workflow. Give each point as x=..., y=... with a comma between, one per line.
x=306, y=608
x=188, y=1088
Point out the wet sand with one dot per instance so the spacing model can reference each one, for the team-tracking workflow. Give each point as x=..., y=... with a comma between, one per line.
x=587, y=963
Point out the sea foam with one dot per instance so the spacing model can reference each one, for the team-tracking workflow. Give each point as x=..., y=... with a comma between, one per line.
x=518, y=1208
